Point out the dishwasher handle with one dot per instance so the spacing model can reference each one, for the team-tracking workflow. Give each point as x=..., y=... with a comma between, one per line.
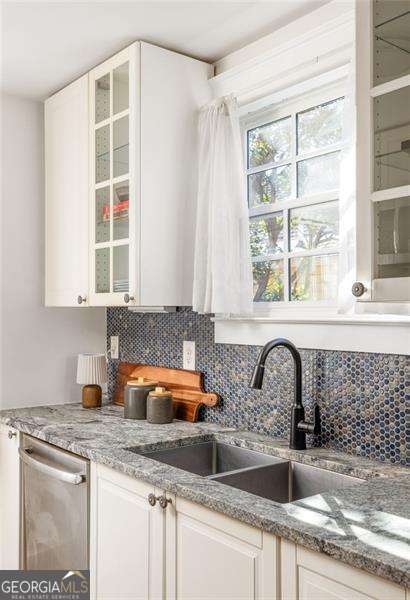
x=27, y=457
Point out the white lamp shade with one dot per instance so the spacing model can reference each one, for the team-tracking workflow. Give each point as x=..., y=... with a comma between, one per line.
x=91, y=368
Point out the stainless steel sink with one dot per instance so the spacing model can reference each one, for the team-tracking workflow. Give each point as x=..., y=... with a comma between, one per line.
x=260, y=474
x=210, y=458
x=288, y=481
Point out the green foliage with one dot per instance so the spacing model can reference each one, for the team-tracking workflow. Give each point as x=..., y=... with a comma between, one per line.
x=311, y=227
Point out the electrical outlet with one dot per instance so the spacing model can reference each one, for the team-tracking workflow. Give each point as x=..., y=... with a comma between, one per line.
x=188, y=353
x=114, y=346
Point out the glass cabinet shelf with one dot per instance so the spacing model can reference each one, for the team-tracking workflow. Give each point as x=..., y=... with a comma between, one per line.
x=396, y=32
x=106, y=155
x=399, y=159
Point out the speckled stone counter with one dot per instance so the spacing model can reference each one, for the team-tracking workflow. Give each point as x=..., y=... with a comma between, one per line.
x=366, y=525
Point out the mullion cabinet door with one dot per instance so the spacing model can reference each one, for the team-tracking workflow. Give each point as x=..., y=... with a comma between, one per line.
x=383, y=118
x=113, y=108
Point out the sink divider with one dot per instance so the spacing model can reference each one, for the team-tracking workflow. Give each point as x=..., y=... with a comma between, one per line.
x=270, y=481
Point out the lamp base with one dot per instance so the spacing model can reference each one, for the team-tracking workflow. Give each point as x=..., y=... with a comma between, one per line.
x=92, y=395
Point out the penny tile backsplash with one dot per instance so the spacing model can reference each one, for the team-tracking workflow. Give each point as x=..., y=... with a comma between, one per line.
x=362, y=397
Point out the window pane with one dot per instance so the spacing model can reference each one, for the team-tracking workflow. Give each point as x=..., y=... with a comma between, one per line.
x=102, y=270
x=268, y=281
x=319, y=174
x=121, y=200
x=268, y=187
x=392, y=222
x=320, y=126
x=120, y=88
x=391, y=115
x=267, y=234
x=314, y=226
x=102, y=98
x=269, y=143
x=120, y=270
x=102, y=153
x=314, y=277
x=102, y=215
x=120, y=134
x=391, y=46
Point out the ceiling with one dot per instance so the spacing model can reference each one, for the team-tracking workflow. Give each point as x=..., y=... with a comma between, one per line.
x=45, y=45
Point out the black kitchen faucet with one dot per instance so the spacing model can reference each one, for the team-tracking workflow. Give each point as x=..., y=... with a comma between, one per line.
x=298, y=426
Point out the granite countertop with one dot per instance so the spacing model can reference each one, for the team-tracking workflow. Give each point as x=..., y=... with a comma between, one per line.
x=366, y=525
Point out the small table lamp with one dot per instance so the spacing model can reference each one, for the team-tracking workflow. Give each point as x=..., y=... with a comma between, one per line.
x=92, y=372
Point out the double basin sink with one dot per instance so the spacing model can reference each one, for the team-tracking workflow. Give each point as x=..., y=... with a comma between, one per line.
x=267, y=476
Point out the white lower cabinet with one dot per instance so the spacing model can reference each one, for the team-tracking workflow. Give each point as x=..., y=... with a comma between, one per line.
x=308, y=575
x=184, y=551
x=9, y=498
x=211, y=556
x=126, y=538
x=188, y=552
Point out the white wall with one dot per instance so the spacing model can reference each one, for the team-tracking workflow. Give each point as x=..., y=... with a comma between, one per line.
x=38, y=345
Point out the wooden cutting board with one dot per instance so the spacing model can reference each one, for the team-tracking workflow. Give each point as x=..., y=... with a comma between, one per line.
x=187, y=387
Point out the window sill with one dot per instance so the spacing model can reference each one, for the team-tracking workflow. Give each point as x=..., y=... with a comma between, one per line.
x=366, y=319
x=379, y=333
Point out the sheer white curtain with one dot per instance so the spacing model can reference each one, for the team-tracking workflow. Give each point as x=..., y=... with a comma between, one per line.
x=223, y=270
x=347, y=198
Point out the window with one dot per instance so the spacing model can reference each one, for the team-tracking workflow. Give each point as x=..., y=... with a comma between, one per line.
x=292, y=172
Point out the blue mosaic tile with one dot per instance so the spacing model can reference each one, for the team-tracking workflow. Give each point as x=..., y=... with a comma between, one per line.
x=364, y=398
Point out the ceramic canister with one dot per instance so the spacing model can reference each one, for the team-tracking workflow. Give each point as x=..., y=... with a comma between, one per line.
x=159, y=406
x=135, y=397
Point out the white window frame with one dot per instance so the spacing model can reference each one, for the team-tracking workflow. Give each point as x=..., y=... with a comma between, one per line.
x=307, y=53
x=274, y=113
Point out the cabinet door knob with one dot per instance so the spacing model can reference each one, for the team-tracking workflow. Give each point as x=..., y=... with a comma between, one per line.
x=12, y=434
x=128, y=298
x=358, y=289
x=152, y=499
x=163, y=501
x=81, y=299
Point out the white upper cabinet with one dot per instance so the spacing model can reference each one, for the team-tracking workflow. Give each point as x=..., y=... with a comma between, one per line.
x=121, y=181
x=66, y=192
x=144, y=104
x=383, y=120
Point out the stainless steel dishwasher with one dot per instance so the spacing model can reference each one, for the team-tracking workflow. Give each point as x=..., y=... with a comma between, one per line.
x=55, y=507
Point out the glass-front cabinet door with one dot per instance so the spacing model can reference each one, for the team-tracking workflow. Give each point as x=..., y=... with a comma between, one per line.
x=113, y=200
x=383, y=63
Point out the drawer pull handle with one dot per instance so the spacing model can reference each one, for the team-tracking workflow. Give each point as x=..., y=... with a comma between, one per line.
x=152, y=499
x=163, y=501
